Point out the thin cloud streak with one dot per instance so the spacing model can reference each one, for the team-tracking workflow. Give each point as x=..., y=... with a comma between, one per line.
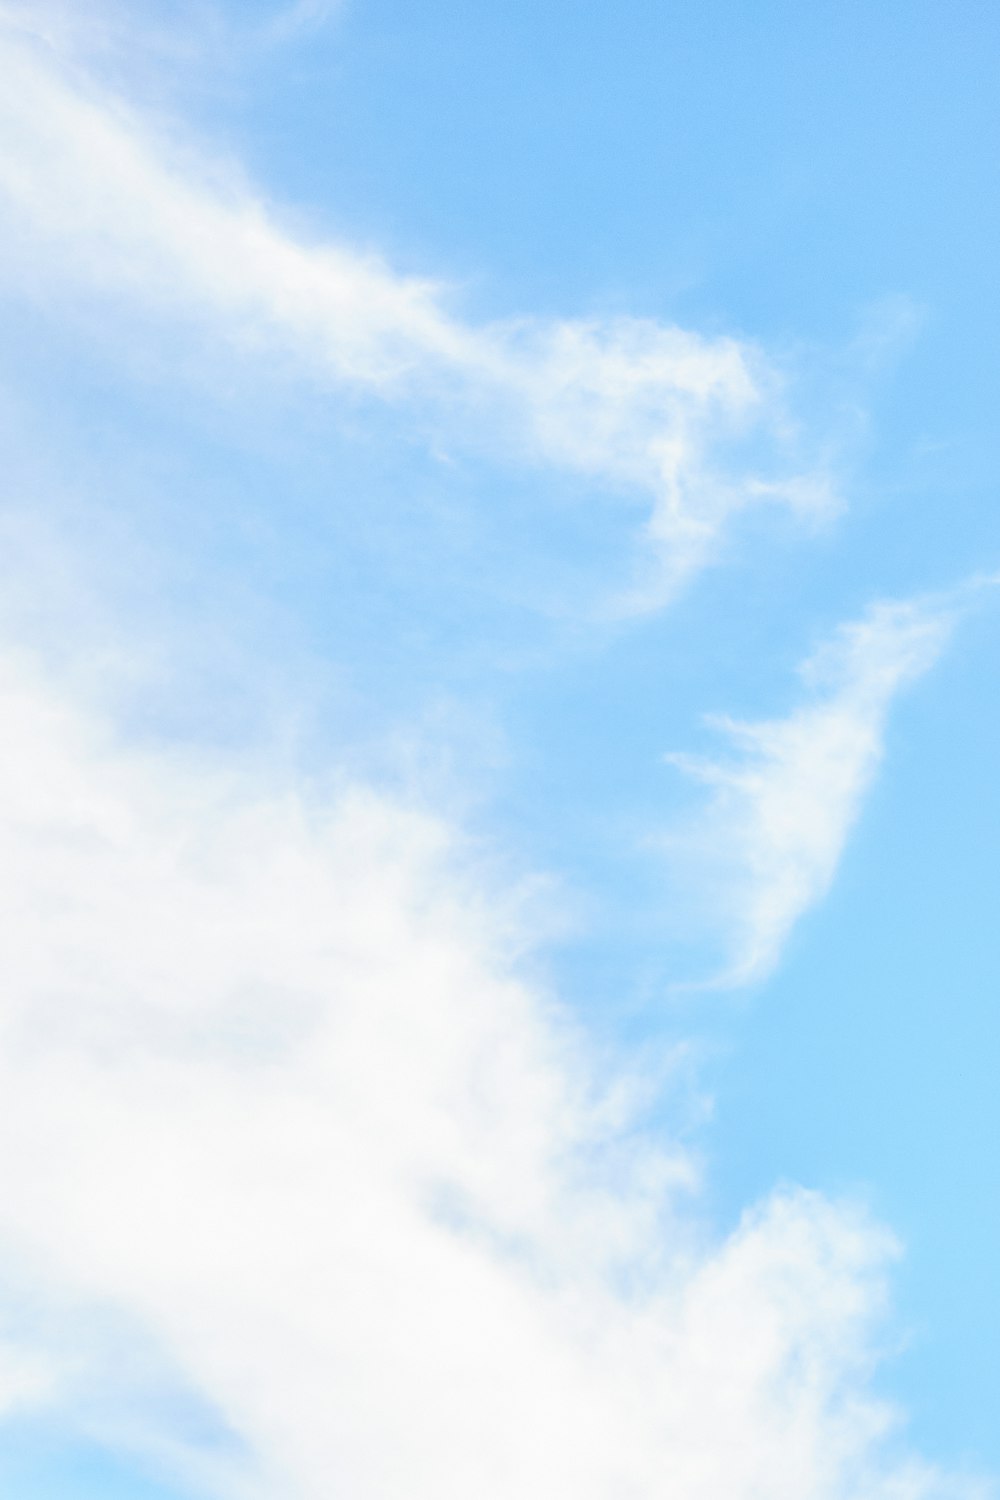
x=95, y=200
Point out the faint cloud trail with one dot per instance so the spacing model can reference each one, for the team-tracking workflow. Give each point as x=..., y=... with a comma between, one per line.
x=302, y=17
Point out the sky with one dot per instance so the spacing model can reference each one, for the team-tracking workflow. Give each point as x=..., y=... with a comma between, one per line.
x=498, y=612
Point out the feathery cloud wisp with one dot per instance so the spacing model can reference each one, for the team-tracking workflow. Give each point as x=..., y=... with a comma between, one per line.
x=91, y=194
x=770, y=839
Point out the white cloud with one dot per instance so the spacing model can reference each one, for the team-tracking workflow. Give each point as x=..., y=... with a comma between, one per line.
x=93, y=197
x=281, y=1128
x=769, y=841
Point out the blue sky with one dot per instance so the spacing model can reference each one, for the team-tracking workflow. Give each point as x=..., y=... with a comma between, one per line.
x=496, y=658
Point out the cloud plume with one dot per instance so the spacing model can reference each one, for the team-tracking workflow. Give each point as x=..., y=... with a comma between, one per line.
x=93, y=197
x=284, y=1128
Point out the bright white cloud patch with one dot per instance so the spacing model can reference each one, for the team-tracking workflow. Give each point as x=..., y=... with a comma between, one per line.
x=281, y=1128
x=781, y=808
x=636, y=405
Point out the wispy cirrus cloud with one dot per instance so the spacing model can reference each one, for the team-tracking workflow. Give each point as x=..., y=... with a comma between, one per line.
x=95, y=198
x=766, y=846
x=285, y=1132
